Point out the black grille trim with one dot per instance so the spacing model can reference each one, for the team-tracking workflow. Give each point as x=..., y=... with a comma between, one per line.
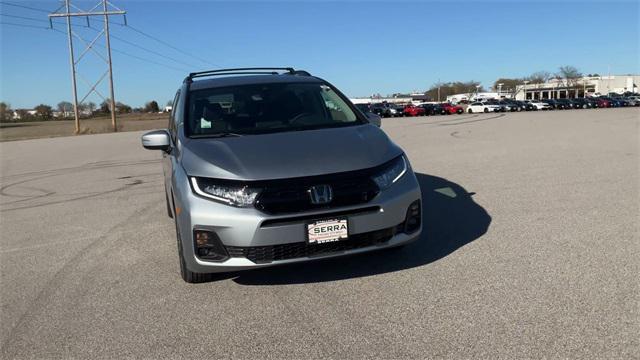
x=267, y=254
x=290, y=196
x=297, y=219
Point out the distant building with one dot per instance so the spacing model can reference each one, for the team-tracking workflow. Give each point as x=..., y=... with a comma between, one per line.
x=584, y=86
x=16, y=113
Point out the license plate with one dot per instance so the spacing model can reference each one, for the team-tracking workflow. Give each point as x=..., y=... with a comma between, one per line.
x=324, y=231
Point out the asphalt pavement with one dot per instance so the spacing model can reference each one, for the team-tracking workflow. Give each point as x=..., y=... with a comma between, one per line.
x=531, y=249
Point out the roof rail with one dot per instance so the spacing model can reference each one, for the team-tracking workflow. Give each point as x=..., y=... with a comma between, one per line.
x=246, y=71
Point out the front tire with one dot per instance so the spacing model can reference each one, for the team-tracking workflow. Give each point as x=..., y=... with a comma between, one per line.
x=470, y=111
x=486, y=110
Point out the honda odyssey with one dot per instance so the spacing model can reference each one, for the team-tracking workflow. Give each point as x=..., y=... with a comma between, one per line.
x=270, y=166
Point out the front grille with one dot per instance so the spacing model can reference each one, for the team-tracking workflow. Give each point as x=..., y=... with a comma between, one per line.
x=292, y=195
x=267, y=254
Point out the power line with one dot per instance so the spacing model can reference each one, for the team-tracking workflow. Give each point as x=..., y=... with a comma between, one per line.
x=40, y=20
x=122, y=52
x=24, y=25
x=137, y=31
x=113, y=36
x=26, y=18
x=24, y=7
x=171, y=46
x=131, y=55
x=150, y=61
x=149, y=50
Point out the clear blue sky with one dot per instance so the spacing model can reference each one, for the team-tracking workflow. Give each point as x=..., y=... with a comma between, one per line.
x=361, y=47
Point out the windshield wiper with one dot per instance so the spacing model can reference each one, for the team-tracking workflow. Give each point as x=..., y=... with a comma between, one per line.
x=217, y=135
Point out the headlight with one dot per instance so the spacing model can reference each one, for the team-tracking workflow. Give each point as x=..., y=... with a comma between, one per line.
x=390, y=174
x=234, y=195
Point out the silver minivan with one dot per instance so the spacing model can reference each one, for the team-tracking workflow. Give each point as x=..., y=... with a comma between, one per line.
x=270, y=166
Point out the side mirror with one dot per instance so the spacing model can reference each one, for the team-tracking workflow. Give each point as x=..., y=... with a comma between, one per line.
x=374, y=119
x=156, y=140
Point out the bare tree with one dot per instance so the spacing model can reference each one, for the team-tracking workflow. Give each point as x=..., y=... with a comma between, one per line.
x=569, y=73
x=452, y=88
x=571, y=76
x=509, y=86
x=539, y=77
x=151, y=106
x=65, y=108
x=6, y=114
x=91, y=106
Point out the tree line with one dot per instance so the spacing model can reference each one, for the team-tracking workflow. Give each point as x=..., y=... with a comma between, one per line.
x=64, y=110
x=569, y=74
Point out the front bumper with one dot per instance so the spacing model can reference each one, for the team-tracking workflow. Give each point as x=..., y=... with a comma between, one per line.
x=245, y=230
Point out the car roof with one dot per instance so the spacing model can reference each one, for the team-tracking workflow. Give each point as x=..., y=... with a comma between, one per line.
x=224, y=81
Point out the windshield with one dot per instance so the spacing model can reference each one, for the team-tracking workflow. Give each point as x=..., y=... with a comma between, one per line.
x=264, y=108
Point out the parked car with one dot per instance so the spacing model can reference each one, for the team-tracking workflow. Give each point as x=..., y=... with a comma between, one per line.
x=613, y=102
x=478, y=107
x=379, y=109
x=509, y=105
x=622, y=101
x=633, y=100
x=539, y=105
x=566, y=103
x=582, y=103
x=593, y=103
x=504, y=105
x=452, y=109
x=523, y=105
x=412, y=110
x=439, y=109
x=602, y=102
x=429, y=109
x=386, y=110
x=278, y=168
x=553, y=104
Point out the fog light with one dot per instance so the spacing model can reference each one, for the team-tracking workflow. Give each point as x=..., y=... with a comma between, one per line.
x=414, y=217
x=208, y=246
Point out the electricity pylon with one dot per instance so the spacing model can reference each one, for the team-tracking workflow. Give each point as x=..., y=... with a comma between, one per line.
x=102, y=8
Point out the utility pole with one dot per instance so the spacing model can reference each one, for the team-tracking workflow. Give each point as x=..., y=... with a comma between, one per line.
x=89, y=46
x=73, y=72
x=106, y=35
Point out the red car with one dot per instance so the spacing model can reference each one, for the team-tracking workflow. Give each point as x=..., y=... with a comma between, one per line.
x=602, y=103
x=452, y=109
x=411, y=110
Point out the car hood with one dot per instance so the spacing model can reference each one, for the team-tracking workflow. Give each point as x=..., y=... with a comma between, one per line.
x=288, y=154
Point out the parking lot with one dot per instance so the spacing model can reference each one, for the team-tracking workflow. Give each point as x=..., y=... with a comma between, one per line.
x=530, y=249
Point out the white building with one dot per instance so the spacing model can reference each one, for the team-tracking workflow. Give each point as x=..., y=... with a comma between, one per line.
x=585, y=86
